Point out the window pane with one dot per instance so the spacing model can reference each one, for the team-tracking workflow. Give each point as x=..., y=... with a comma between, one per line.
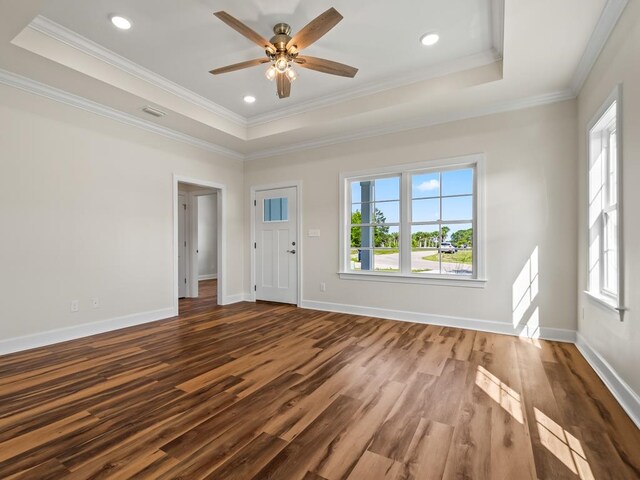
x=425, y=185
x=355, y=192
x=457, y=182
x=382, y=255
x=386, y=260
x=368, y=237
x=425, y=210
x=456, y=249
x=387, y=212
x=276, y=209
x=424, y=249
x=613, y=180
x=457, y=208
x=611, y=252
x=387, y=188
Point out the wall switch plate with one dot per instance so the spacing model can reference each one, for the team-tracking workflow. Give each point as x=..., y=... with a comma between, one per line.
x=314, y=233
x=75, y=305
x=95, y=303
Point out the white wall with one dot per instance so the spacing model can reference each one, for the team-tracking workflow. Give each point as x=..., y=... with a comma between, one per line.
x=86, y=208
x=531, y=192
x=617, y=342
x=207, y=233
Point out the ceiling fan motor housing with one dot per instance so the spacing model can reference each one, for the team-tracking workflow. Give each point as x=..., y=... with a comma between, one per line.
x=281, y=38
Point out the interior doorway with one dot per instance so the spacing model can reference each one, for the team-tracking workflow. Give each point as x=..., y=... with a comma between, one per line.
x=198, y=244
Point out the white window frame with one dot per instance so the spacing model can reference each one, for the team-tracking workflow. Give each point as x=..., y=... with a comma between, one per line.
x=599, y=292
x=477, y=280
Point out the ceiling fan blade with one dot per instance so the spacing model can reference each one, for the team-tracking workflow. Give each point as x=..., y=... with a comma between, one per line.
x=284, y=86
x=315, y=29
x=239, y=66
x=242, y=29
x=326, y=66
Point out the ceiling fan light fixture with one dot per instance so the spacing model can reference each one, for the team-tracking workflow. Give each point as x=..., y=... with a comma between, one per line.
x=281, y=64
x=429, y=39
x=291, y=74
x=271, y=73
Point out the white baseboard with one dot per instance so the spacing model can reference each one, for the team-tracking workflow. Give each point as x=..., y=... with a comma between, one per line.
x=626, y=397
x=239, y=297
x=211, y=276
x=546, y=333
x=51, y=337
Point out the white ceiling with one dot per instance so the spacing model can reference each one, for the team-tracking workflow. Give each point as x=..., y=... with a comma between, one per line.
x=164, y=61
x=182, y=41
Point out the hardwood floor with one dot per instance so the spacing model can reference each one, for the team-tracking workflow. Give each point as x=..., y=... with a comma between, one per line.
x=270, y=391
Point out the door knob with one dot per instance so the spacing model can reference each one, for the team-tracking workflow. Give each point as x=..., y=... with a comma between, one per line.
x=291, y=251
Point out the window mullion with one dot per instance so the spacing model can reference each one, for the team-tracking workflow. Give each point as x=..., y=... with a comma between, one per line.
x=405, y=223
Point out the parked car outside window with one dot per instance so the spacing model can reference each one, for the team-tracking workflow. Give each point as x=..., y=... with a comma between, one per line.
x=447, y=247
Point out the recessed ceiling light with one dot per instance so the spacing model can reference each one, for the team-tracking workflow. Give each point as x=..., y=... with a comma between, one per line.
x=121, y=22
x=249, y=99
x=429, y=39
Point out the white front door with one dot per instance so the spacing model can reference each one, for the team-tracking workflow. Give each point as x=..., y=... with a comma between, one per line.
x=276, y=245
x=182, y=246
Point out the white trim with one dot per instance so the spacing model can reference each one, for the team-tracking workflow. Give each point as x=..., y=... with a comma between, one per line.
x=32, y=86
x=622, y=392
x=605, y=25
x=446, y=68
x=237, y=298
x=615, y=303
x=37, y=88
x=221, y=233
x=73, y=332
x=606, y=302
x=210, y=276
x=442, y=280
x=69, y=37
x=252, y=237
x=416, y=123
x=506, y=328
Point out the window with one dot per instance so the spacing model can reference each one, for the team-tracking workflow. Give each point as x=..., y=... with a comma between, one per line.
x=605, y=276
x=416, y=222
x=276, y=209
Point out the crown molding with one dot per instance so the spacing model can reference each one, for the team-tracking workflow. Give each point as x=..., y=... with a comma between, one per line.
x=428, y=121
x=606, y=23
x=64, y=35
x=32, y=86
x=460, y=64
x=35, y=87
x=69, y=37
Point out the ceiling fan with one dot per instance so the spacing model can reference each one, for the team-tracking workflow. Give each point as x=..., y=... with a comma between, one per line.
x=283, y=51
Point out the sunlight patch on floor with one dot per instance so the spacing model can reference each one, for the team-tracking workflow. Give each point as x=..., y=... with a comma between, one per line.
x=563, y=445
x=500, y=392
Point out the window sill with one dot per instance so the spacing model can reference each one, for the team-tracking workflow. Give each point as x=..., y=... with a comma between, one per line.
x=605, y=302
x=442, y=280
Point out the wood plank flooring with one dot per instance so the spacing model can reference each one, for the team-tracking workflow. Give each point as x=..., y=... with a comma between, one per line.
x=265, y=391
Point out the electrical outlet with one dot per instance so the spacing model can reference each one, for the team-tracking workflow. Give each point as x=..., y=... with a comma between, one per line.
x=323, y=287
x=95, y=303
x=75, y=305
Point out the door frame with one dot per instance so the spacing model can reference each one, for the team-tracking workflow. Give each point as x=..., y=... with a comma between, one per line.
x=274, y=186
x=193, y=276
x=221, y=237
